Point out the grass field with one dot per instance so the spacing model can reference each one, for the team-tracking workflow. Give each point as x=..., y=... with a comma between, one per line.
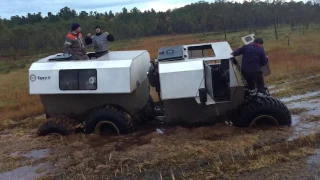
x=219, y=152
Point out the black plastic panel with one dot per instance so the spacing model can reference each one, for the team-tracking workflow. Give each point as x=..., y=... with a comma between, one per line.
x=63, y=57
x=248, y=38
x=171, y=53
x=208, y=79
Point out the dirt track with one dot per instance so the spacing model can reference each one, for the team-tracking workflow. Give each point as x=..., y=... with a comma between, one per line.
x=211, y=152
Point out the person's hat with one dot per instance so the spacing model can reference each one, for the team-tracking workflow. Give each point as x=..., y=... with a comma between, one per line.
x=74, y=26
x=258, y=40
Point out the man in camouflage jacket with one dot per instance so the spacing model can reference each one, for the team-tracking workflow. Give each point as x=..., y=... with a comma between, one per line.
x=74, y=43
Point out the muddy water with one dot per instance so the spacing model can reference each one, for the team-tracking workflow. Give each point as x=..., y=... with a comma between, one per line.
x=302, y=128
x=315, y=159
x=24, y=173
x=37, y=154
x=277, y=90
x=307, y=122
x=308, y=168
x=297, y=97
x=27, y=172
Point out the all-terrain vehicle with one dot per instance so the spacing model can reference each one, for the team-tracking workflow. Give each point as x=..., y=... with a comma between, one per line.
x=196, y=83
x=111, y=91
x=199, y=83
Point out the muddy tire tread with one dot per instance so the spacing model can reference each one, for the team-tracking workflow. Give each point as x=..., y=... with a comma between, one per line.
x=263, y=106
x=119, y=118
x=52, y=126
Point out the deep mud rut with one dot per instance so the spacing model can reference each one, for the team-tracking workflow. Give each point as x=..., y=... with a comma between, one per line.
x=210, y=152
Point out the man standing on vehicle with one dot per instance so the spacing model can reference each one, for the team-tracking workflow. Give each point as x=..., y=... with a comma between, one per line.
x=74, y=43
x=253, y=58
x=100, y=41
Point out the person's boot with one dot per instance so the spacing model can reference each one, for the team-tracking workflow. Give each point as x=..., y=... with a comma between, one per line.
x=253, y=92
x=262, y=93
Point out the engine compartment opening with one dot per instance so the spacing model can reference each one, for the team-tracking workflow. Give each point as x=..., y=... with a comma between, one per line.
x=200, y=51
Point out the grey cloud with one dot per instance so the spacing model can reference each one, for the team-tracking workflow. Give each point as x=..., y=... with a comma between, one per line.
x=22, y=7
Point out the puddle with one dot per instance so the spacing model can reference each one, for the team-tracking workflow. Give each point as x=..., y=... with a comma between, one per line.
x=159, y=131
x=24, y=173
x=314, y=159
x=271, y=87
x=277, y=90
x=297, y=97
x=300, y=123
x=14, y=154
x=302, y=128
x=310, y=104
x=313, y=106
x=38, y=154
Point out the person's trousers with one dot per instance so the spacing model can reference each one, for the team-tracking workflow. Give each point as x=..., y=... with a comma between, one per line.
x=99, y=54
x=83, y=57
x=254, y=80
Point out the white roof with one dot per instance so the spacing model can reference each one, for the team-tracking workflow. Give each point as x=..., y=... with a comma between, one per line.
x=111, y=56
x=114, y=59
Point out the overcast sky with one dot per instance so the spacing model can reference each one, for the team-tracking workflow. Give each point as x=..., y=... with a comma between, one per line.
x=22, y=7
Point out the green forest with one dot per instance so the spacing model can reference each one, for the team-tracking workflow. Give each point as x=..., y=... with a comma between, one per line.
x=39, y=33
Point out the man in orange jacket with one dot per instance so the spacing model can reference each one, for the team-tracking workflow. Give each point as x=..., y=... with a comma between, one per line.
x=74, y=43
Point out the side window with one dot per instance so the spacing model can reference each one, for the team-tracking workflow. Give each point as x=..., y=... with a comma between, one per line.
x=82, y=79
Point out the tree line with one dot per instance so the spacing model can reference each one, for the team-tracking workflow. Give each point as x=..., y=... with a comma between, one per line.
x=36, y=33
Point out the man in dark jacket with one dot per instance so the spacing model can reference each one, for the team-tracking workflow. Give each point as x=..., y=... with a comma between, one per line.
x=74, y=43
x=253, y=58
x=100, y=41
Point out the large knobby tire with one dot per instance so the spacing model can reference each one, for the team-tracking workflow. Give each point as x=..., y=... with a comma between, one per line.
x=57, y=125
x=264, y=106
x=119, y=120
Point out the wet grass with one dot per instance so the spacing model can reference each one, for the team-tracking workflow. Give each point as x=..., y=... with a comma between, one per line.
x=298, y=86
x=297, y=111
x=312, y=118
x=219, y=152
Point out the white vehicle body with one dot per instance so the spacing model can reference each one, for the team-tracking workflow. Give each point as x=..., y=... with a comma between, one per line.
x=194, y=74
x=115, y=72
x=74, y=87
x=183, y=78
